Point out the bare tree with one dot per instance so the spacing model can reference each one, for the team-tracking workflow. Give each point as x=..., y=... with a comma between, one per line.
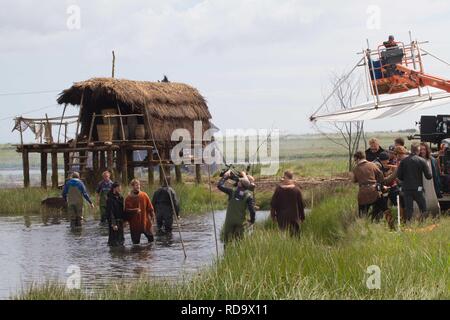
x=348, y=135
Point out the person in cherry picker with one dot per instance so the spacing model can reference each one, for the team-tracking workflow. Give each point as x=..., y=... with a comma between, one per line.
x=375, y=65
x=390, y=43
x=390, y=68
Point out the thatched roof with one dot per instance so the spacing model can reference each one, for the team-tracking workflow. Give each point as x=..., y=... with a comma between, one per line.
x=163, y=100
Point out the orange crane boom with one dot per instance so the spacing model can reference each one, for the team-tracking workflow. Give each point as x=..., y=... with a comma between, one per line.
x=421, y=79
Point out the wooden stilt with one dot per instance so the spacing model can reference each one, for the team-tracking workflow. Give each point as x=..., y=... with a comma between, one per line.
x=102, y=160
x=54, y=170
x=83, y=161
x=151, y=169
x=198, y=174
x=130, y=168
x=21, y=132
x=26, y=168
x=178, y=176
x=124, y=164
x=44, y=170
x=66, y=165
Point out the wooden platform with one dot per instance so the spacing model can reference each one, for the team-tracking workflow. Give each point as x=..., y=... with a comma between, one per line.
x=115, y=156
x=85, y=146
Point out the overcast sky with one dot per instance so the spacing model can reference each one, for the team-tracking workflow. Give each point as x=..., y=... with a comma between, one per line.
x=259, y=63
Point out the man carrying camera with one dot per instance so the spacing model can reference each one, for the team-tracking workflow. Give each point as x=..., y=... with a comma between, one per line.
x=240, y=199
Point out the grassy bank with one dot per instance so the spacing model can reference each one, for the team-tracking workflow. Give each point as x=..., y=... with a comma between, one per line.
x=193, y=199
x=19, y=201
x=329, y=261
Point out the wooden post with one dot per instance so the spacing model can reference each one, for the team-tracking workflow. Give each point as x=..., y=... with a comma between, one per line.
x=78, y=120
x=130, y=167
x=61, y=123
x=124, y=164
x=26, y=168
x=102, y=160
x=121, y=124
x=54, y=170
x=21, y=132
x=66, y=165
x=113, y=64
x=82, y=161
x=48, y=130
x=44, y=170
x=178, y=176
x=198, y=174
x=91, y=128
x=151, y=169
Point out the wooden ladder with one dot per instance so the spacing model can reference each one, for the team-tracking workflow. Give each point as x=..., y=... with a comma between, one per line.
x=78, y=162
x=78, y=158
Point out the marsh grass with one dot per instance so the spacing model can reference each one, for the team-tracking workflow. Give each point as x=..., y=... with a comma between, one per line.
x=194, y=199
x=328, y=261
x=19, y=201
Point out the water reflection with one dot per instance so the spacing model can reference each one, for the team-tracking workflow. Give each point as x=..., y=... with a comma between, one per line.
x=52, y=217
x=46, y=247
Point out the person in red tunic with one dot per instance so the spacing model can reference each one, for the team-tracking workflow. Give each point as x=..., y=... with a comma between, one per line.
x=139, y=210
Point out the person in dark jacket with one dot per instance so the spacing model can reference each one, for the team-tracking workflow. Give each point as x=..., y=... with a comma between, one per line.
x=115, y=214
x=411, y=172
x=382, y=163
x=390, y=43
x=287, y=207
x=240, y=199
x=162, y=200
x=374, y=151
x=369, y=178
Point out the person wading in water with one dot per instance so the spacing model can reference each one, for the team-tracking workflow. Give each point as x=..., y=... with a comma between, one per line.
x=115, y=215
x=287, y=207
x=240, y=199
x=73, y=193
x=139, y=210
x=102, y=192
x=162, y=201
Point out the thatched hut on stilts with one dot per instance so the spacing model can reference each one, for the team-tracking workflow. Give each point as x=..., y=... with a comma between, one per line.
x=117, y=117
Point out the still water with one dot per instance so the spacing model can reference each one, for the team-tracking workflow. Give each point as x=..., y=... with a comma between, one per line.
x=38, y=248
